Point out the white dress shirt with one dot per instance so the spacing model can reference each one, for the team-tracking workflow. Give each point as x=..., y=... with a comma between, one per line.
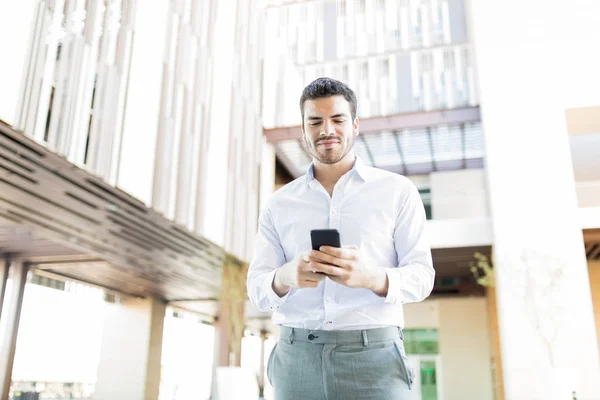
x=376, y=210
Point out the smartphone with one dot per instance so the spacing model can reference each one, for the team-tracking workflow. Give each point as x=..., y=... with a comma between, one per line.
x=325, y=237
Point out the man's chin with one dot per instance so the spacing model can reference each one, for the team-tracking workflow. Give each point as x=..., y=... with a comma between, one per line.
x=329, y=159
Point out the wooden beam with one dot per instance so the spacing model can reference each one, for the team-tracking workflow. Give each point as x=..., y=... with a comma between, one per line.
x=591, y=235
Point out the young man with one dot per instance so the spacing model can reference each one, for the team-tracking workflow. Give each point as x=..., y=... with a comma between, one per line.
x=340, y=309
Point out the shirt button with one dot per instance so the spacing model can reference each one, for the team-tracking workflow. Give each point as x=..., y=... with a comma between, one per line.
x=311, y=337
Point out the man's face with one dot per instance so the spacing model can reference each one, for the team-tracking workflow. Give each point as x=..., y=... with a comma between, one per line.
x=329, y=131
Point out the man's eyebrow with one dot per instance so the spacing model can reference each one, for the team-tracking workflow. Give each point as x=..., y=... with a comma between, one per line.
x=312, y=118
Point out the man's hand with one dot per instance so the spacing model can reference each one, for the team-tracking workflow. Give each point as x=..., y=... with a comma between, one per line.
x=345, y=266
x=297, y=274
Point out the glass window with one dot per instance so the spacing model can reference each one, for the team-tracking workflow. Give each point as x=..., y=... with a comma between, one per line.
x=421, y=341
x=426, y=198
x=342, y=8
x=362, y=6
x=385, y=67
x=364, y=70
x=428, y=380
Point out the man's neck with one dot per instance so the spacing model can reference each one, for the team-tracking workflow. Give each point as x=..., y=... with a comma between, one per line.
x=329, y=174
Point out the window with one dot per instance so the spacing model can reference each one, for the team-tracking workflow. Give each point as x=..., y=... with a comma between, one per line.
x=342, y=8
x=421, y=341
x=364, y=70
x=426, y=198
x=449, y=59
x=426, y=62
x=385, y=67
x=47, y=282
x=345, y=74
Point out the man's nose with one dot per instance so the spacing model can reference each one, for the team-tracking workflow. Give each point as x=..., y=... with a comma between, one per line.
x=327, y=129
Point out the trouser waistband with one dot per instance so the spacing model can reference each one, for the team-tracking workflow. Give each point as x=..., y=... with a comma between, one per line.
x=363, y=336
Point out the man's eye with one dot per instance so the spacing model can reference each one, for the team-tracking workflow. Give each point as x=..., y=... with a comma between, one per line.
x=338, y=121
x=314, y=123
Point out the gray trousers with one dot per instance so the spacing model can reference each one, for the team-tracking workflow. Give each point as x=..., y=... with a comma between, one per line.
x=340, y=365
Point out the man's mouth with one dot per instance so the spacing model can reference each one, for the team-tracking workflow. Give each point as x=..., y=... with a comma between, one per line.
x=328, y=143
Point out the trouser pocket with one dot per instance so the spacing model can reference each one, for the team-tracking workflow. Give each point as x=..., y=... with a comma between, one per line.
x=270, y=365
x=408, y=371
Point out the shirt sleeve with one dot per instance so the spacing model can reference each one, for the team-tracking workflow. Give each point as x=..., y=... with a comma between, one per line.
x=412, y=281
x=268, y=257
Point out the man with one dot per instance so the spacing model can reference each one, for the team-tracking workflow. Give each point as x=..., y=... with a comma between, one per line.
x=340, y=309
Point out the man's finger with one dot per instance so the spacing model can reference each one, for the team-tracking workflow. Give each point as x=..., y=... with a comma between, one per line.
x=326, y=269
x=345, y=253
x=306, y=257
x=314, y=276
x=319, y=256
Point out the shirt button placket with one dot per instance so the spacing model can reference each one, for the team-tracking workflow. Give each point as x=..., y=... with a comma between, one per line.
x=334, y=223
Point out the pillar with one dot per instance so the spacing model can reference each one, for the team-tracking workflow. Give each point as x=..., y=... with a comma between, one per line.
x=130, y=359
x=17, y=270
x=261, y=376
x=4, y=268
x=492, y=311
x=231, y=322
x=534, y=60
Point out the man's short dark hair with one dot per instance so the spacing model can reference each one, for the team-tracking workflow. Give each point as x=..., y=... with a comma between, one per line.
x=327, y=87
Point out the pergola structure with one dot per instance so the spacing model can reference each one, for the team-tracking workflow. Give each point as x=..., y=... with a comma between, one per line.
x=59, y=220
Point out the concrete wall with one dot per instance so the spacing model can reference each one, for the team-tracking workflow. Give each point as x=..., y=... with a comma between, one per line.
x=459, y=194
x=465, y=347
x=464, y=344
x=588, y=193
x=460, y=232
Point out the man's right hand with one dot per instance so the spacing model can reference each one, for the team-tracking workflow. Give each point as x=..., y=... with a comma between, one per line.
x=296, y=274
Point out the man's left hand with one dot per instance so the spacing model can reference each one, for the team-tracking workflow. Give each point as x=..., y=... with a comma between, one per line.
x=345, y=266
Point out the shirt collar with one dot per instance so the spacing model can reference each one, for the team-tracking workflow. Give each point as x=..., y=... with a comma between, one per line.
x=359, y=167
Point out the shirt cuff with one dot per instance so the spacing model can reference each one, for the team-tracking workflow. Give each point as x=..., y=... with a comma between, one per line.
x=274, y=300
x=394, y=294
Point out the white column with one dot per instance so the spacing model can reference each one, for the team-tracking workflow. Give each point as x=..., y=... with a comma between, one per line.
x=220, y=122
x=11, y=315
x=138, y=147
x=17, y=21
x=130, y=359
x=534, y=60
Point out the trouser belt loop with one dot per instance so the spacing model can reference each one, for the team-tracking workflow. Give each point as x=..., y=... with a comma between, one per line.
x=365, y=339
x=291, y=336
x=401, y=333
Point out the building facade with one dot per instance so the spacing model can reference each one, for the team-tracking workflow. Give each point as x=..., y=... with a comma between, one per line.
x=451, y=98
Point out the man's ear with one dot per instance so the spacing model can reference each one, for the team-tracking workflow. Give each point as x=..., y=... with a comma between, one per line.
x=356, y=131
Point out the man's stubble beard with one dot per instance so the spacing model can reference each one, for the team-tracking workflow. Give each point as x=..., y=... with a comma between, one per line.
x=326, y=159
